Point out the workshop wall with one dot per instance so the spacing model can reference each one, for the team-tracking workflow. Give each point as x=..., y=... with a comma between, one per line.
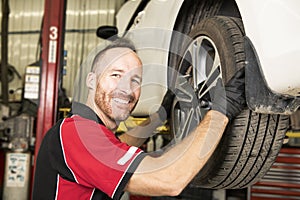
x=82, y=20
x=23, y=37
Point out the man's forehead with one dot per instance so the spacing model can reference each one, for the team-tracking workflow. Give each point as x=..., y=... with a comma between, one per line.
x=116, y=53
x=111, y=57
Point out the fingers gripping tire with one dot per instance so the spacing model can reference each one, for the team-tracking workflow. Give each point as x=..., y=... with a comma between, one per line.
x=252, y=141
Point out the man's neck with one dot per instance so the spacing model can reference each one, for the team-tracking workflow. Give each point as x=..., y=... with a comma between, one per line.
x=108, y=122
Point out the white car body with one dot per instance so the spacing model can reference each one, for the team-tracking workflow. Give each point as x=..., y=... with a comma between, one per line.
x=273, y=27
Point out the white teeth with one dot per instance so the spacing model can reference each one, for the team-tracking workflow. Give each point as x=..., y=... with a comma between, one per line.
x=123, y=101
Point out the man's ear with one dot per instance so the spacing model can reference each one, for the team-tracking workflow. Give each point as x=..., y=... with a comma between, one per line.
x=91, y=81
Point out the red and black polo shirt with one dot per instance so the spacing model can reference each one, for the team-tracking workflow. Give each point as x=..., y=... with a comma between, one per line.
x=80, y=158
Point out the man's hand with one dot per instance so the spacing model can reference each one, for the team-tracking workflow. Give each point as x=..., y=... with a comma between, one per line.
x=230, y=100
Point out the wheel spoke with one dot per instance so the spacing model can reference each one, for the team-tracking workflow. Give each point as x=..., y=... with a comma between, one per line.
x=198, y=71
x=210, y=82
x=211, y=66
x=217, y=62
x=184, y=91
x=187, y=114
x=187, y=120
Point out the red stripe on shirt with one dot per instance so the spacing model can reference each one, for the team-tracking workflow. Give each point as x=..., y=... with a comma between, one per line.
x=91, y=152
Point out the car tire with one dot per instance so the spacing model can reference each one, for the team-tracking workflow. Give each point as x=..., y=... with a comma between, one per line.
x=252, y=141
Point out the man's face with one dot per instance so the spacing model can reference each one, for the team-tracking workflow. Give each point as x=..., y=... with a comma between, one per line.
x=118, y=85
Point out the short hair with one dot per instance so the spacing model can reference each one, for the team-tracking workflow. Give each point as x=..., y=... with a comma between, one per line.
x=118, y=43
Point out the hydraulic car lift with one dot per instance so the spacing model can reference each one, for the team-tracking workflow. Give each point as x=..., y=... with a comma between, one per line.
x=52, y=62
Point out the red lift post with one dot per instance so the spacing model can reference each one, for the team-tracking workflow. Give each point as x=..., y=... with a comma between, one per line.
x=52, y=61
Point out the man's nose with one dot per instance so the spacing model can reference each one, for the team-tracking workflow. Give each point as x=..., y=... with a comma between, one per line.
x=125, y=85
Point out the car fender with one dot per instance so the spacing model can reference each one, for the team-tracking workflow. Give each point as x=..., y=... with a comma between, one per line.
x=152, y=39
x=272, y=29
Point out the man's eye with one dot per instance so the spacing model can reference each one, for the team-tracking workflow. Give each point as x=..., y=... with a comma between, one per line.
x=116, y=75
x=136, y=81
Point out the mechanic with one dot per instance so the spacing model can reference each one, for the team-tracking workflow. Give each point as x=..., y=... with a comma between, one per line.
x=81, y=158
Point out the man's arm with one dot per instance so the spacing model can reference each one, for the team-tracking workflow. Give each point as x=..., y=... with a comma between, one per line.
x=172, y=171
x=139, y=134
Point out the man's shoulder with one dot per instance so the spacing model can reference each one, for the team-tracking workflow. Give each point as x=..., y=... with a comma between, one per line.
x=77, y=118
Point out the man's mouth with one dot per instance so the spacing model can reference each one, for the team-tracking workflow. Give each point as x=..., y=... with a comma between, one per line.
x=121, y=101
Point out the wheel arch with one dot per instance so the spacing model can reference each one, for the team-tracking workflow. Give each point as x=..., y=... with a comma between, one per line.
x=264, y=100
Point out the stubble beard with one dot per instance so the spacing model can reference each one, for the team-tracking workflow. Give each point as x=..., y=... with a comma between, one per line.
x=105, y=103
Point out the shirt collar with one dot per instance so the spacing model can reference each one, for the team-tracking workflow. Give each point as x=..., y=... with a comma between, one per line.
x=85, y=112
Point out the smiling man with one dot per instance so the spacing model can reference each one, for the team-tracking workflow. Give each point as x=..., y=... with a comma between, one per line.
x=81, y=158
x=114, y=84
